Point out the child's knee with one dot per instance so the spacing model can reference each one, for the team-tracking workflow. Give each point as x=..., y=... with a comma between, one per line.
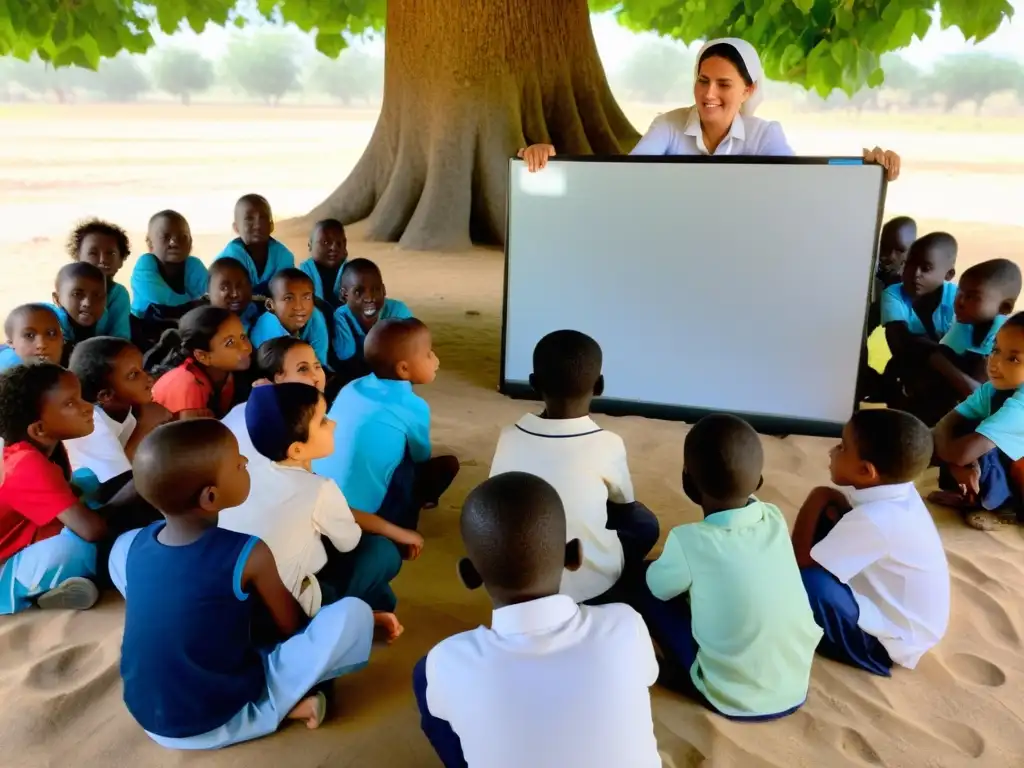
x=382, y=557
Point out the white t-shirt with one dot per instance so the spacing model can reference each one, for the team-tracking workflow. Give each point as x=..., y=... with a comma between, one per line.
x=888, y=551
x=550, y=684
x=235, y=421
x=102, y=452
x=289, y=508
x=587, y=466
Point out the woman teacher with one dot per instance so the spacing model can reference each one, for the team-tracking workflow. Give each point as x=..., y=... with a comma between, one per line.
x=727, y=92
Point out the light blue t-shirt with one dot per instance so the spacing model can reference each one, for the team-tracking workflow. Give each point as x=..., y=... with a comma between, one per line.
x=67, y=329
x=278, y=258
x=348, y=331
x=896, y=306
x=377, y=421
x=115, y=320
x=8, y=357
x=313, y=333
x=1005, y=427
x=309, y=267
x=252, y=313
x=960, y=338
x=149, y=287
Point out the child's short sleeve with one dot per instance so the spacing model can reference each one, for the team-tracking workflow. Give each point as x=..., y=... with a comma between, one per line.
x=344, y=341
x=979, y=405
x=398, y=310
x=851, y=546
x=333, y=518
x=266, y=328
x=315, y=334
x=178, y=390
x=1005, y=427
x=892, y=307
x=669, y=576
x=616, y=474
x=418, y=426
x=36, y=488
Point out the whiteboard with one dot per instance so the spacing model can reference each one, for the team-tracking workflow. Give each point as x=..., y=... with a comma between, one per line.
x=735, y=285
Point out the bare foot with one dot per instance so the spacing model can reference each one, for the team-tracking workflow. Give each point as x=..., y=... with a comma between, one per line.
x=386, y=627
x=312, y=709
x=989, y=521
x=953, y=499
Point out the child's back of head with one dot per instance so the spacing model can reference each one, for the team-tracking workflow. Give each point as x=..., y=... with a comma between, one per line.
x=402, y=350
x=722, y=462
x=881, y=446
x=987, y=290
x=566, y=368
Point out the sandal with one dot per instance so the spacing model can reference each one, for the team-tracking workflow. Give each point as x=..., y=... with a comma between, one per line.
x=984, y=520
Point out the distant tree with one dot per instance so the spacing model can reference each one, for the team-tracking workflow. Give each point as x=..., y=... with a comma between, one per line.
x=264, y=64
x=354, y=75
x=40, y=78
x=658, y=72
x=119, y=79
x=974, y=77
x=182, y=72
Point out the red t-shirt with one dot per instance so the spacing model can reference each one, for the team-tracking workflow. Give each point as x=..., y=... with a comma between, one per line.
x=188, y=388
x=33, y=492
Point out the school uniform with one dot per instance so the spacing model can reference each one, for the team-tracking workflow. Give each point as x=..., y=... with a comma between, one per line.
x=999, y=416
x=897, y=306
x=249, y=317
x=278, y=258
x=151, y=293
x=381, y=449
x=188, y=387
x=320, y=275
x=679, y=133
x=193, y=679
x=102, y=452
x=314, y=333
x=349, y=336
x=116, y=319
x=745, y=641
x=8, y=357
x=587, y=466
x=37, y=552
x=963, y=338
x=549, y=684
x=881, y=587
x=315, y=508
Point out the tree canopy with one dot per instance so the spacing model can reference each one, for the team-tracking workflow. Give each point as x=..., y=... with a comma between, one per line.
x=820, y=44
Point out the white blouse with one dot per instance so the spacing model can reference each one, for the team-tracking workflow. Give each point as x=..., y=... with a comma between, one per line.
x=678, y=133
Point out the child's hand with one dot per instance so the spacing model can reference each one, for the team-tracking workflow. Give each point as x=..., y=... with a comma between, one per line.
x=968, y=478
x=386, y=627
x=151, y=416
x=536, y=156
x=411, y=542
x=262, y=382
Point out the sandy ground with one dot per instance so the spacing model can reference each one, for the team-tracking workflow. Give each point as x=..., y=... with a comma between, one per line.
x=60, y=693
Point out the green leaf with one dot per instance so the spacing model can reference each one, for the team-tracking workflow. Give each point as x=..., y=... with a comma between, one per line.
x=39, y=23
x=904, y=30
x=876, y=79
x=330, y=45
x=804, y=6
x=59, y=34
x=924, y=23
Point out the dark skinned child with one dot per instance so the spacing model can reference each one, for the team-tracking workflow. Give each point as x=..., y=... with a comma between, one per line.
x=291, y=311
x=80, y=301
x=229, y=287
x=328, y=251
x=256, y=249
x=33, y=335
x=105, y=246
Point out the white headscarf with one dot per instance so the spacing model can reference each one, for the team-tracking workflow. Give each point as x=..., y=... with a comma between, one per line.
x=753, y=64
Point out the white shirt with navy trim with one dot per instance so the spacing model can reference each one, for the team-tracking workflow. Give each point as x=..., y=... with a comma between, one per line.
x=679, y=133
x=888, y=551
x=587, y=466
x=102, y=451
x=551, y=684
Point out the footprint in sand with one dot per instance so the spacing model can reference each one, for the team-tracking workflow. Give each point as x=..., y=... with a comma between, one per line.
x=65, y=667
x=991, y=611
x=974, y=669
x=961, y=736
x=856, y=746
x=961, y=566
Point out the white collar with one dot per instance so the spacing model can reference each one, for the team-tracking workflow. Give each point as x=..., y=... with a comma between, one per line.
x=896, y=492
x=118, y=428
x=533, y=616
x=532, y=424
x=736, y=131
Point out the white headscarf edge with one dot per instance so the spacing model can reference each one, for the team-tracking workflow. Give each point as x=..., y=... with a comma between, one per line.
x=752, y=61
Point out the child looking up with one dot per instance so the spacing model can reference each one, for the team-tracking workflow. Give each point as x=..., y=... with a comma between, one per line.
x=33, y=335
x=260, y=254
x=168, y=278
x=328, y=251
x=47, y=537
x=292, y=312
x=195, y=365
x=981, y=441
x=586, y=465
x=193, y=678
x=80, y=299
x=550, y=683
x=382, y=453
x=228, y=287
x=321, y=553
x=870, y=555
x=105, y=246
x=744, y=643
x=364, y=302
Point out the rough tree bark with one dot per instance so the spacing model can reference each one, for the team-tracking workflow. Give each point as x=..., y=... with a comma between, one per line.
x=467, y=82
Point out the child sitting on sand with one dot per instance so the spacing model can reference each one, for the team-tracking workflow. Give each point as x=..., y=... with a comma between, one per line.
x=870, y=555
x=744, y=642
x=47, y=536
x=382, y=453
x=986, y=294
x=229, y=287
x=79, y=300
x=167, y=280
x=550, y=683
x=33, y=335
x=328, y=251
x=364, y=303
x=291, y=312
x=981, y=441
x=260, y=254
x=193, y=679
x=195, y=365
x=586, y=465
x=105, y=246
x=321, y=552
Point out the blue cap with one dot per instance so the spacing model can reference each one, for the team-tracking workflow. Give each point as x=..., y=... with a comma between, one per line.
x=265, y=422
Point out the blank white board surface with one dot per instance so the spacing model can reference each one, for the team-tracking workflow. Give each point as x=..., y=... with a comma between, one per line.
x=711, y=286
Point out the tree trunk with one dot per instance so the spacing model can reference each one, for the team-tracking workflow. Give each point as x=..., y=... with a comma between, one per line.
x=466, y=84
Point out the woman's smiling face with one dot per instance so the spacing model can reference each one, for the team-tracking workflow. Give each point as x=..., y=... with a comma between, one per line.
x=719, y=91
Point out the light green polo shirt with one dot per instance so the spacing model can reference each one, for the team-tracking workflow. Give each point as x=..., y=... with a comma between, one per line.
x=752, y=621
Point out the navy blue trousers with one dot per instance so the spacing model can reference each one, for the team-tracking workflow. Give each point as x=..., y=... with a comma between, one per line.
x=997, y=490
x=414, y=486
x=438, y=732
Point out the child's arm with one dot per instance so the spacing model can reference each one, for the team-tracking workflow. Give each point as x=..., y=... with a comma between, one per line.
x=808, y=518
x=84, y=522
x=411, y=540
x=955, y=443
x=669, y=576
x=333, y=518
x=260, y=576
x=618, y=480
x=149, y=417
x=962, y=383
x=38, y=491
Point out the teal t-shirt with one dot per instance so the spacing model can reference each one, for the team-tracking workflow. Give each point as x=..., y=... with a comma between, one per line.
x=896, y=306
x=961, y=338
x=1005, y=425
